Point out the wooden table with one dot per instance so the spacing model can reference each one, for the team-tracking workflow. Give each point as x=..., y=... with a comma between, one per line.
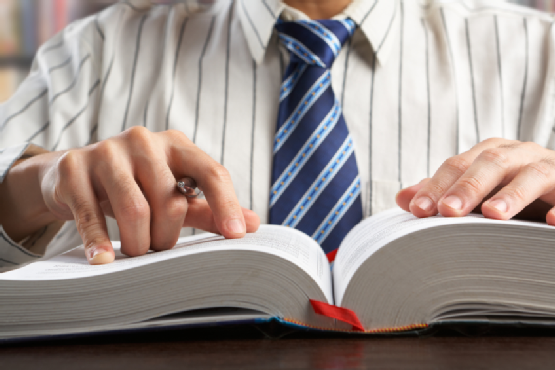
x=250, y=348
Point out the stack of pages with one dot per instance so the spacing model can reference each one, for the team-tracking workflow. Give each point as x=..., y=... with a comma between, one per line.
x=393, y=272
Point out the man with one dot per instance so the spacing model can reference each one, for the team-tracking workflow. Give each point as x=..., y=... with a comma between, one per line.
x=420, y=84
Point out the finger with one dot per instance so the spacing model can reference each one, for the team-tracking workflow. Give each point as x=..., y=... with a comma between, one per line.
x=550, y=217
x=168, y=206
x=131, y=212
x=75, y=190
x=186, y=159
x=128, y=203
x=536, y=211
x=252, y=220
x=404, y=196
x=424, y=203
x=167, y=219
x=200, y=216
x=492, y=167
x=532, y=182
x=107, y=208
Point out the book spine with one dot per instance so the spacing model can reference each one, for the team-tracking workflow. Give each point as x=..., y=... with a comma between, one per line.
x=47, y=20
x=392, y=330
x=60, y=14
x=10, y=28
x=29, y=30
x=10, y=78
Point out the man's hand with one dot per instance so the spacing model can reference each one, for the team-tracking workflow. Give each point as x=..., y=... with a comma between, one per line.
x=502, y=178
x=132, y=177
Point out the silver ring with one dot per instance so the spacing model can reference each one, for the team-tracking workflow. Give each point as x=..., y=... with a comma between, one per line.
x=188, y=187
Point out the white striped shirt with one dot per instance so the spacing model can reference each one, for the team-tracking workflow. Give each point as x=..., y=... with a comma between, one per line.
x=419, y=82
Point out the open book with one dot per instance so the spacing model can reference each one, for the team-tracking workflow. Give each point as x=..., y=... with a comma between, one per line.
x=393, y=272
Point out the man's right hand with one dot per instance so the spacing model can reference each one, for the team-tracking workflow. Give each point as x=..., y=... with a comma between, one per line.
x=131, y=177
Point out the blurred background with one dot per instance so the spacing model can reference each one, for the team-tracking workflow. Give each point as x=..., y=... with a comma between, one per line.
x=547, y=5
x=26, y=24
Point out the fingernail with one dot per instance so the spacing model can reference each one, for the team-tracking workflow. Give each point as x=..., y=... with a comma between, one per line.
x=99, y=256
x=453, y=201
x=236, y=226
x=499, y=204
x=424, y=203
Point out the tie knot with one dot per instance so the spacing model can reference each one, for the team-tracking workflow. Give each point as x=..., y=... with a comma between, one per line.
x=315, y=42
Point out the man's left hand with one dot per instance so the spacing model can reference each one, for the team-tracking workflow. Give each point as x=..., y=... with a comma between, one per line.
x=501, y=178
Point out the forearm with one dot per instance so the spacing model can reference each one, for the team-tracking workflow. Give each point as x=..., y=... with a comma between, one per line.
x=23, y=210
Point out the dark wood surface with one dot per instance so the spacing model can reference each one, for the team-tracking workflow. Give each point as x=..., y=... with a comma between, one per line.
x=253, y=348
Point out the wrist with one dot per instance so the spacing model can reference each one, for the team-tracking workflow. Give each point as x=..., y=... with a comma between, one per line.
x=23, y=210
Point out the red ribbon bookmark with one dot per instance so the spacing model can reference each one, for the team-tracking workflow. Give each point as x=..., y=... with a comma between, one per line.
x=331, y=255
x=339, y=313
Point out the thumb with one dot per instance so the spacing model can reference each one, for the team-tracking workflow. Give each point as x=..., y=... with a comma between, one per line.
x=404, y=196
x=200, y=216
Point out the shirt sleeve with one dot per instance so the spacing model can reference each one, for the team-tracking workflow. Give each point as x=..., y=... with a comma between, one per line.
x=56, y=107
x=548, y=127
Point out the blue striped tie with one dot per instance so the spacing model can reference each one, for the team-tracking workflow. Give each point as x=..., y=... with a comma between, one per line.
x=315, y=181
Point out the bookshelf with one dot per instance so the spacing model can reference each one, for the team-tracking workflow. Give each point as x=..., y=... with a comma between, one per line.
x=27, y=24
x=546, y=5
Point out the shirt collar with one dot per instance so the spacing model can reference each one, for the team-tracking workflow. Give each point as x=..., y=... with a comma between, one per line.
x=377, y=19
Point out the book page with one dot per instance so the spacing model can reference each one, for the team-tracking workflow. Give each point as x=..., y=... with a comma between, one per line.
x=381, y=229
x=289, y=244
